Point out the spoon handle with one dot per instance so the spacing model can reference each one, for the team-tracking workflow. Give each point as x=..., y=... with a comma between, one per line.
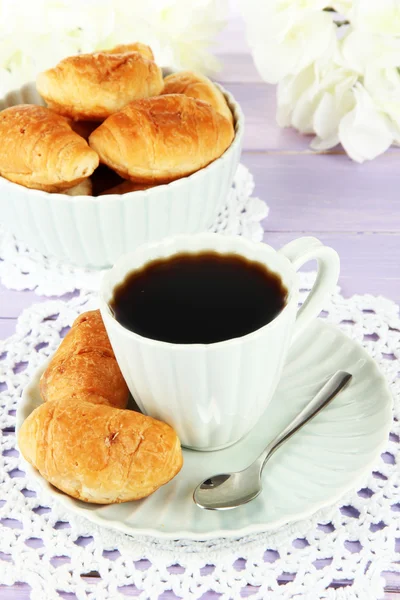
x=333, y=386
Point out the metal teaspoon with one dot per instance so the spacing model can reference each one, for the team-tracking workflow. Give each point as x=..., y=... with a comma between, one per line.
x=230, y=490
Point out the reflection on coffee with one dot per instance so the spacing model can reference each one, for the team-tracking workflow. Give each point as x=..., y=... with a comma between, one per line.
x=198, y=298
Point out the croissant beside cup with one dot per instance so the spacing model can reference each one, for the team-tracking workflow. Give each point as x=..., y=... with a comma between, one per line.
x=95, y=231
x=81, y=439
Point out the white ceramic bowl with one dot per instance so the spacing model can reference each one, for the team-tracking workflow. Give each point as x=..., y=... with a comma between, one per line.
x=94, y=231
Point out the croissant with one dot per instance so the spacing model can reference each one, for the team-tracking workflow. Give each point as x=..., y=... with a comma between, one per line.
x=99, y=454
x=85, y=366
x=90, y=87
x=143, y=49
x=79, y=441
x=200, y=87
x=39, y=149
x=160, y=139
x=84, y=188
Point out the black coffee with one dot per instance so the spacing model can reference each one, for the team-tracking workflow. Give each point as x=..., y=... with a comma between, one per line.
x=198, y=298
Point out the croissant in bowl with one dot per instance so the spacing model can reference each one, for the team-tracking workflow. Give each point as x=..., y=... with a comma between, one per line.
x=90, y=87
x=160, y=139
x=39, y=149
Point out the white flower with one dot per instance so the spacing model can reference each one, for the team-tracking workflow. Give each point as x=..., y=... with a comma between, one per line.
x=364, y=132
x=338, y=70
x=286, y=37
x=22, y=19
x=383, y=85
x=36, y=35
x=377, y=16
x=361, y=49
x=343, y=7
x=290, y=90
x=179, y=36
x=327, y=100
x=336, y=100
x=315, y=100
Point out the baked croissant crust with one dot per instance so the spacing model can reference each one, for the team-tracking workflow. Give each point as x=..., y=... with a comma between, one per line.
x=85, y=366
x=143, y=49
x=84, y=188
x=200, y=87
x=39, y=149
x=97, y=453
x=90, y=87
x=160, y=139
x=79, y=441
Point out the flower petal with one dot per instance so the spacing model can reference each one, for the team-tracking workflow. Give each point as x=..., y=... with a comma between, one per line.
x=289, y=41
x=364, y=132
x=320, y=144
x=361, y=49
x=384, y=87
x=381, y=17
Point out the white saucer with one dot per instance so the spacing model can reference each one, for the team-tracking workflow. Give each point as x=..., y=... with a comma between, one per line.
x=314, y=469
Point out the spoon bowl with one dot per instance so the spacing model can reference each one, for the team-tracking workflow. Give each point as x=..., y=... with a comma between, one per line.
x=232, y=489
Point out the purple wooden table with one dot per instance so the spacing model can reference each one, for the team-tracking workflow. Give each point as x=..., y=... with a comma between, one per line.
x=355, y=209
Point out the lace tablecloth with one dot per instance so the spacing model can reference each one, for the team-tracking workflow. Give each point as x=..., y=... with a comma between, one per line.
x=22, y=268
x=350, y=544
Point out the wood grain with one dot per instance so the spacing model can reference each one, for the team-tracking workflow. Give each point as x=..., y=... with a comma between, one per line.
x=327, y=193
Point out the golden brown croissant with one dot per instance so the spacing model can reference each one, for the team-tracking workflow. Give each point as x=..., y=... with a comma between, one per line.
x=90, y=87
x=39, y=149
x=84, y=188
x=143, y=49
x=85, y=366
x=97, y=453
x=79, y=441
x=160, y=139
x=197, y=86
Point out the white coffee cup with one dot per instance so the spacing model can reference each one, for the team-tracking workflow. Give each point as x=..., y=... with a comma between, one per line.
x=213, y=394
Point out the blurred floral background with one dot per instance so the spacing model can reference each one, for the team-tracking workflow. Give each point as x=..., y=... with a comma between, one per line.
x=36, y=34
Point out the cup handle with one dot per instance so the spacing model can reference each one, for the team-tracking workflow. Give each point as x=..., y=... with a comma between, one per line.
x=301, y=251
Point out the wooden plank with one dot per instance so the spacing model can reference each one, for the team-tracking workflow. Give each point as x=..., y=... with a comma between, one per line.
x=327, y=192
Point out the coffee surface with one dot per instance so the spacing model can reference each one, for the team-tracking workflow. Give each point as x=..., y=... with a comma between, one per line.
x=198, y=298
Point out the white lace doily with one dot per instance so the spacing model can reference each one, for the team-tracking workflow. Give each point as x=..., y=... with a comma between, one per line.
x=340, y=553
x=24, y=269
